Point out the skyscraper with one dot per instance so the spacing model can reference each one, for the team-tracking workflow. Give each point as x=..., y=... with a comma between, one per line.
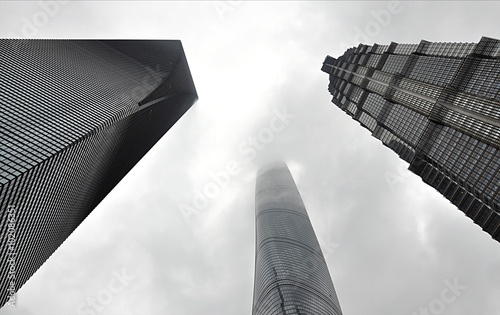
x=291, y=275
x=437, y=105
x=76, y=116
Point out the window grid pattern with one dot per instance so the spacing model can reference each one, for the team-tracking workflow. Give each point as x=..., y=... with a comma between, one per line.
x=291, y=275
x=486, y=108
x=374, y=104
x=362, y=59
x=357, y=79
x=446, y=126
x=382, y=76
x=485, y=80
x=361, y=70
x=404, y=151
x=405, y=49
x=457, y=50
x=376, y=87
x=395, y=63
x=388, y=139
x=344, y=100
x=373, y=60
x=23, y=101
x=413, y=102
x=435, y=70
x=72, y=131
x=406, y=124
x=352, y=108
x=368, y=121
x=471, y=162
x=357, y=94
x=488, y=47
x=431, y=91
x=381, y=49
x=475, y=127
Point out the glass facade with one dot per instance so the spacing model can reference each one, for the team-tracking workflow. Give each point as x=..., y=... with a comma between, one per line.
x=75, y=117
x=437, y=105
x=291, y=275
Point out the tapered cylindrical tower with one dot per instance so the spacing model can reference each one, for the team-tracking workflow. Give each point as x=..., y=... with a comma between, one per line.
x=291, y=276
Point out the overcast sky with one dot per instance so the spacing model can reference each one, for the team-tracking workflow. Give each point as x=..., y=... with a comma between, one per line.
x=394, y=246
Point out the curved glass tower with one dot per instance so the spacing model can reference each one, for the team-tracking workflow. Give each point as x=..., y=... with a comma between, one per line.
x=291, y=276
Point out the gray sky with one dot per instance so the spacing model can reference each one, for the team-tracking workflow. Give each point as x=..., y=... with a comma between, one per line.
x=393, y=244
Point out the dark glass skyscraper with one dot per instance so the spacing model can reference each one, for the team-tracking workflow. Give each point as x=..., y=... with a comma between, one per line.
x=437, y=105
x=75, y=117
x=291, y=275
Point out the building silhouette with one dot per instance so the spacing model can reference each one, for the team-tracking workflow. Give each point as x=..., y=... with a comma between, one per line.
x=437, y=105
x=291, y=276
x=76, y=116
